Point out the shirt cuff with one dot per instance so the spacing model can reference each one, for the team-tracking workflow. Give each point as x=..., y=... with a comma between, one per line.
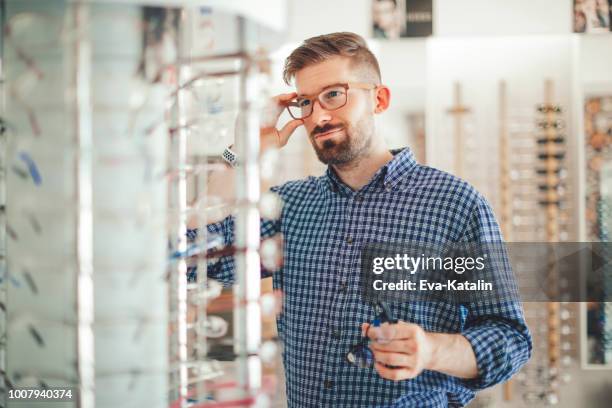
x=500, y=352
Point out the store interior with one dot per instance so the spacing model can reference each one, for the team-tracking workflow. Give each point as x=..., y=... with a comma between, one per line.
x=114, y=118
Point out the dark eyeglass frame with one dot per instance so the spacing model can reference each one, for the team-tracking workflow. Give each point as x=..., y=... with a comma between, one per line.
x=317, y=96
x=385, y=315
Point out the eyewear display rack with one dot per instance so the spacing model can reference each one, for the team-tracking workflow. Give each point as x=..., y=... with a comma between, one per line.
x=86, y=200
x=98, y=173
x=534, y=208
x=214, y=88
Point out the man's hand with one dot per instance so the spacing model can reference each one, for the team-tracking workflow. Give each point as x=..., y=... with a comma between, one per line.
x=406, y=355
x=412, y=350
x=271, y=136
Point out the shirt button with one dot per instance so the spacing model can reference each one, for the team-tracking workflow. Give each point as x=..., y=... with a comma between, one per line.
x=343, y=287
x=336, y=334
x=328, y=384
x=349, y=240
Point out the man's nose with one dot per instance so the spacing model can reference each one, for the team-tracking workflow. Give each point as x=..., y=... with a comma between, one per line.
x=320, y=115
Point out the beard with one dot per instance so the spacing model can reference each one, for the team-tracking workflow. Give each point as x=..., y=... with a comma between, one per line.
x=354, y=144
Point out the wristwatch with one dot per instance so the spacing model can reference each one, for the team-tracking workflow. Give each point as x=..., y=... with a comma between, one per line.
x=230, y=157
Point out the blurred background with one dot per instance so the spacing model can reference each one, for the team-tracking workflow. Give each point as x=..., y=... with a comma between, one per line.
x=115, y=113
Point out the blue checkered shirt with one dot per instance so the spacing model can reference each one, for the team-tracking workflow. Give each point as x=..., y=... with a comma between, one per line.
x=324, y=224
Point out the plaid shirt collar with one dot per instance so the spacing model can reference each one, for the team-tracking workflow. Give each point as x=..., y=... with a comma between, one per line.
x=387, y=177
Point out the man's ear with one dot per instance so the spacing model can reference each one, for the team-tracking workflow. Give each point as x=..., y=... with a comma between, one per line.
x=382, y=96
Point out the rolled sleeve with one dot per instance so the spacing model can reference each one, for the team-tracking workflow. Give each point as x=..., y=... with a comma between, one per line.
x=500, y=340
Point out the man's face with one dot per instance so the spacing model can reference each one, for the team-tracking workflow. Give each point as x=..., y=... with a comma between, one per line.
x=339, y=136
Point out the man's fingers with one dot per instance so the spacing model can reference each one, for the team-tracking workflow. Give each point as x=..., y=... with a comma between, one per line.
x=406, y=330
x=287, y=130
x=395, y=374
x=399, y=360
x=286, y=97
x=274, y=108
x=395, y=346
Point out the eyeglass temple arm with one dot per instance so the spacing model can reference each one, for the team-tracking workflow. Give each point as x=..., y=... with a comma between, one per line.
x=386, y=312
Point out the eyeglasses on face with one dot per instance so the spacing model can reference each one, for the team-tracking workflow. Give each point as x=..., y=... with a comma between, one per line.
x=330, y=98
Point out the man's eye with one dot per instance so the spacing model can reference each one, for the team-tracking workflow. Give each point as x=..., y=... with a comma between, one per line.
x=333, y=94
x=303, y=103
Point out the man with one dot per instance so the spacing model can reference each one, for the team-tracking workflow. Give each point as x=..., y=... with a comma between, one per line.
x=440, y=354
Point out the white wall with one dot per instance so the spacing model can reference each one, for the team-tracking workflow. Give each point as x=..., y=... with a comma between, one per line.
x=502, y=17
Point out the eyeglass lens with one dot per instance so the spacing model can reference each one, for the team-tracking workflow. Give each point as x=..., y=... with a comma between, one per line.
x=330, y=98
x=361, y=356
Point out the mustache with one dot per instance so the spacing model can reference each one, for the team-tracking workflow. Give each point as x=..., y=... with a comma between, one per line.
x=323, y=129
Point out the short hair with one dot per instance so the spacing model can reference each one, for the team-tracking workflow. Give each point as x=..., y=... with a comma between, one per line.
x=343, y=44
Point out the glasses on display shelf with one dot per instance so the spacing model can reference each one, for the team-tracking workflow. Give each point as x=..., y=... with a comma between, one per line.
x=552, y=169
x=360, y=355
x=204, y=293
x=33, y=222
x=557, y=139
x=550, y=124
x=331, y=98
x=548, y=108
x=551, y=152
x=31, y=171
x=212, y=327
x=548, y=156
x=558, y=188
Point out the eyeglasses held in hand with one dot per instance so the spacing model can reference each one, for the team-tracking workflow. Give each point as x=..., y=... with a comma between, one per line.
x=360, y=354
x=331, y=98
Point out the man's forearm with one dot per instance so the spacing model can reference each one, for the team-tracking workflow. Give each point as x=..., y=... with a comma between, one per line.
x=452, y=354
